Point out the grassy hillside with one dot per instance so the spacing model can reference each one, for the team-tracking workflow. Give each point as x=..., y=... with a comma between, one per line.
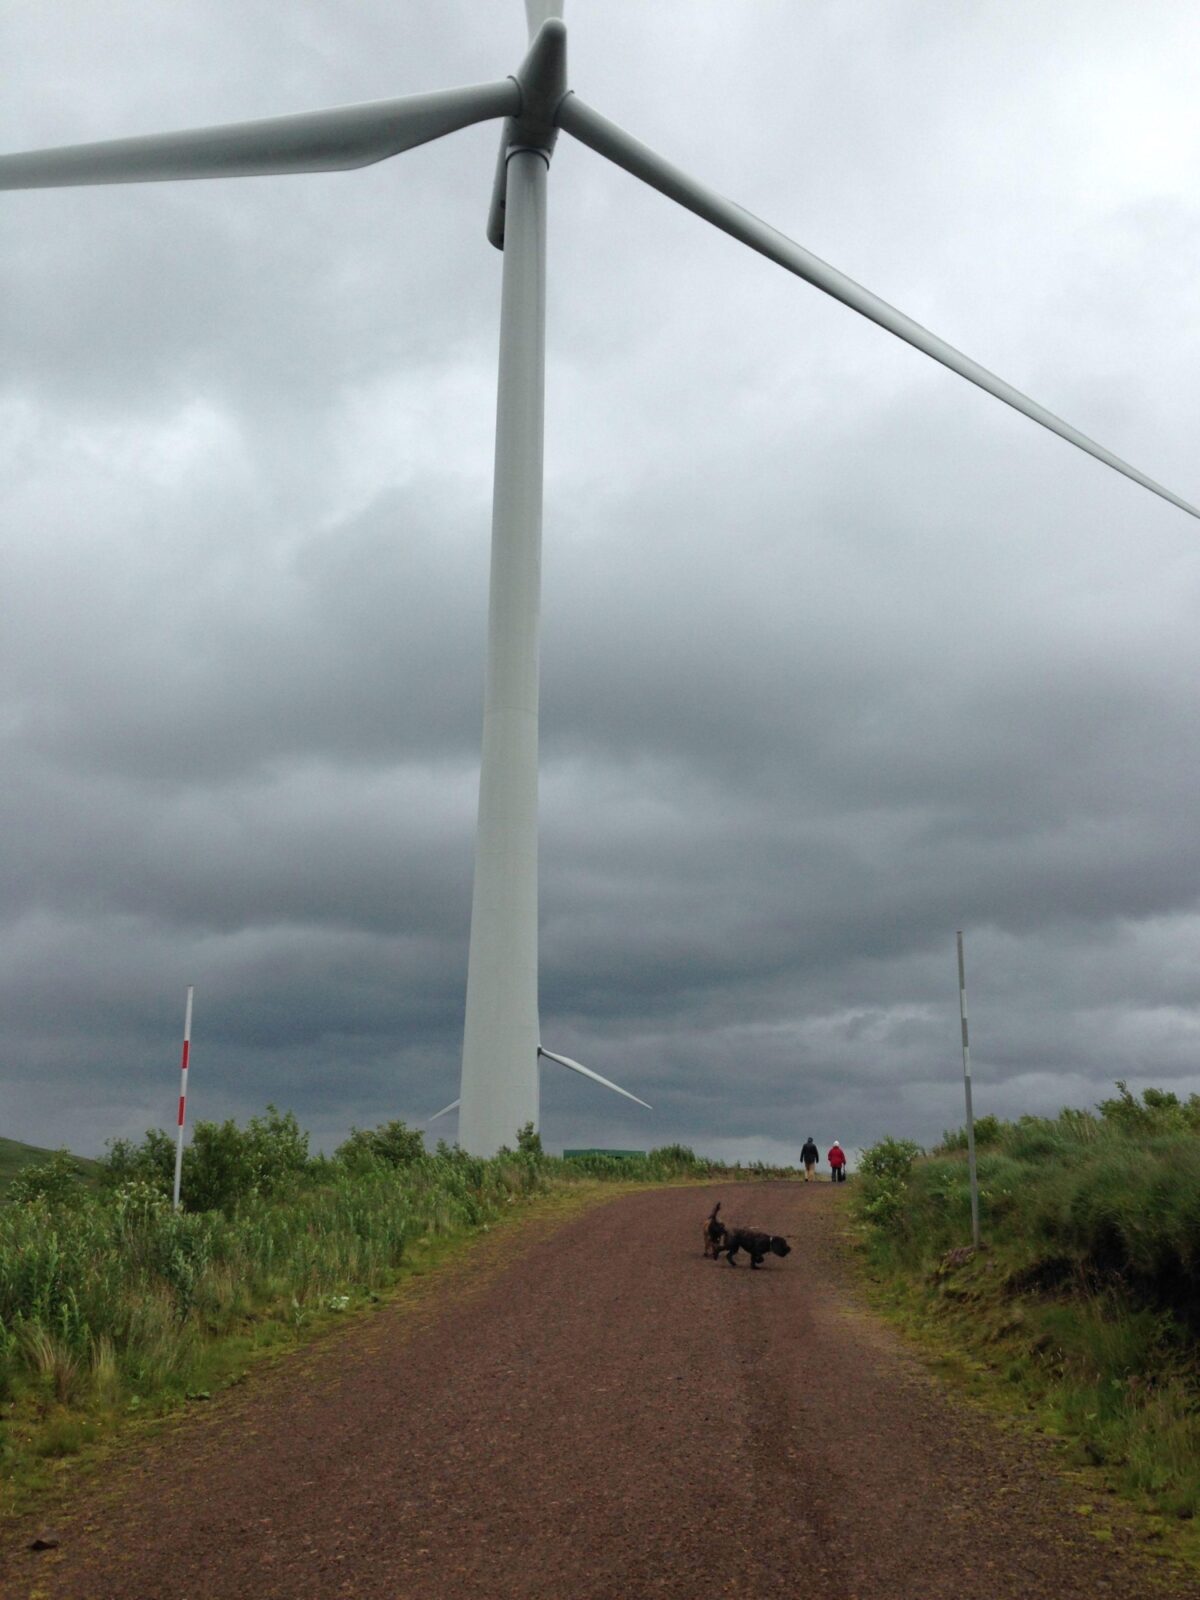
x=15, y=1157
x=1084, y=1304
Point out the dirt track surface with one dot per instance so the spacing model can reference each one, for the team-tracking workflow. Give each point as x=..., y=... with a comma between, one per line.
x=596, y=1413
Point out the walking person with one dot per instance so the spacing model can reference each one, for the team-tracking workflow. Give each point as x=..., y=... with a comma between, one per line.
x=837, y=1163
x=810, y=1155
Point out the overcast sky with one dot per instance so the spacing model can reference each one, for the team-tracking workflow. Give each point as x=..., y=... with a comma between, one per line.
x=840, y=655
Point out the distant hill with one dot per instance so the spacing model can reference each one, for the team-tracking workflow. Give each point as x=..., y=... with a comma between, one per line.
x=14, y=1156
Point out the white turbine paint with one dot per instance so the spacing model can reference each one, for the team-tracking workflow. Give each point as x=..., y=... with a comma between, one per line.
x=500, y=1038
x=590, y=128
x=319, y=141
x=563, y=1061
x=586, y=1072
x=500, y=1053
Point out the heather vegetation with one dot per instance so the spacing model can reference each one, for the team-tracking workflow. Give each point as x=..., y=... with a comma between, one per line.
x=1086, y=1296
x=113, y=1302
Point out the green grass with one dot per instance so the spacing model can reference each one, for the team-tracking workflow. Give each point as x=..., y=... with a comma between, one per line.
x=16, y=1157
x=45, y=1441
x=115, y=1308
x=1082, y=1313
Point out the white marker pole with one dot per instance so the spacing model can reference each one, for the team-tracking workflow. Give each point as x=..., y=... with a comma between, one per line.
x=966, y=1047
x=183, y=1071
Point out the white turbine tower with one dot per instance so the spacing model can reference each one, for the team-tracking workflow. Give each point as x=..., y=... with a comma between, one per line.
x=502, y=1041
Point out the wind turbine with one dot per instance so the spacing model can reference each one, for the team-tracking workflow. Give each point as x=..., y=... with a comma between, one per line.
x=502, y=1043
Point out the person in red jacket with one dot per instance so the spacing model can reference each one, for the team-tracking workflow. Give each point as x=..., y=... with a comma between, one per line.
x=837, y=1163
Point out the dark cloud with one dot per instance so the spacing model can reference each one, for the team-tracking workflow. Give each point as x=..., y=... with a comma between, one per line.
x=839, y=654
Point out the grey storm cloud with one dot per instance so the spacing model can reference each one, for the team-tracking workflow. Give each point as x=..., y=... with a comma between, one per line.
x=839, y=654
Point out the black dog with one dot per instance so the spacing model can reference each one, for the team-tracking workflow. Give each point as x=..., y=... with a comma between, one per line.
x=759, y=1245
x=714, y=1233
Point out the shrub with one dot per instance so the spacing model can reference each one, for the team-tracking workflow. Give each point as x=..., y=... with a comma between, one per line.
x=56, y=1181
x=674, y=1155
x=392, y=1144
x=884, y=1172
x=151, y=1162
x=529, y=1141
x=226, y=1165
x=1158, y=1111
x=889, y=1161
x=988, y=1131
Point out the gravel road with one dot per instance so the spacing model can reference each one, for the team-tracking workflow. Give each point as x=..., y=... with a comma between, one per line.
x=592, y=1412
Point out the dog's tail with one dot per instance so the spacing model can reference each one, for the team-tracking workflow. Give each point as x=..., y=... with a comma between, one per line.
x=712, y=1215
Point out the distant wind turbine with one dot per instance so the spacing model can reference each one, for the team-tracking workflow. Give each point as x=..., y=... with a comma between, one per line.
x=502, y=1042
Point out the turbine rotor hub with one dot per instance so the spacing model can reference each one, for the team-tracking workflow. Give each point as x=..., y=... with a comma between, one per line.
x=542, y=80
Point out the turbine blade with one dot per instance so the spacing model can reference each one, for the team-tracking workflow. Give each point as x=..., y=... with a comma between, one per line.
x=575, y=1066
x=453, y=1106
x=316, y=141
x=590, y=128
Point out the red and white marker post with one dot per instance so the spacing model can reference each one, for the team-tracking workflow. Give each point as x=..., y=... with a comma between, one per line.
x=183, y=1072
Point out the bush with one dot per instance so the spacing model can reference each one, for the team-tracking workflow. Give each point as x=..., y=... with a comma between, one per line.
x=889, y=1161
x=529, y=1141
x=57, y=1181
x=152, y=1162
x=393, y=1144
x=1109, y=1199
x=1158, y=1111
x=988, y=1131
x=884, y=1171
x=225, y=1165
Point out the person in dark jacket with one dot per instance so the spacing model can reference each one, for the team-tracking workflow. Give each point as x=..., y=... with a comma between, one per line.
x=810, y=1155
x=837, y=1163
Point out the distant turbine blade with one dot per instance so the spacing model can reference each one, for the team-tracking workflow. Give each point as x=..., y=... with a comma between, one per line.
x=453, y=1106
x=536, y=12
x=316, y=141
x=607, y=139
x=565, y=1061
